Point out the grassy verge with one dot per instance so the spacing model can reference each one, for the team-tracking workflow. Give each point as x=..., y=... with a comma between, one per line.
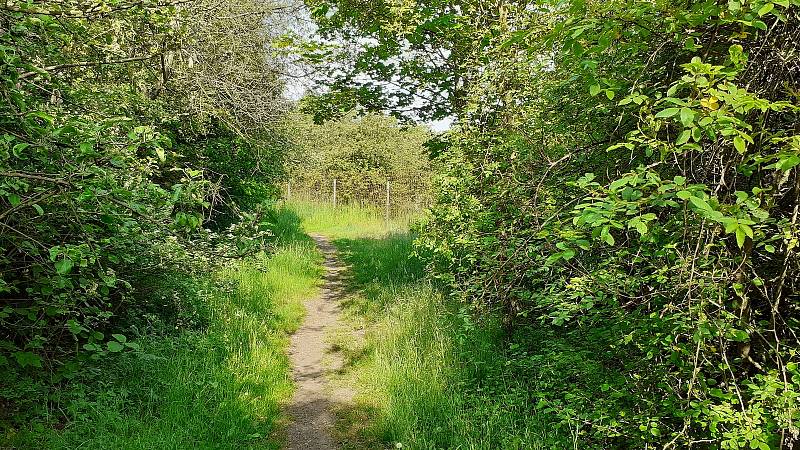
x=347, y=221
x=218, y=381
x=428, y=376
x=425, y=375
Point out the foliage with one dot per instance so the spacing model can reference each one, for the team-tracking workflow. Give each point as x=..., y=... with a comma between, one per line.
x=397, y=56
x=626, y=172
x=362, y=154
x=123, y=155
x=214, y=374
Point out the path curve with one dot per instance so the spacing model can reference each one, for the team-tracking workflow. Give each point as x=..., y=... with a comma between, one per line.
x=310, y=410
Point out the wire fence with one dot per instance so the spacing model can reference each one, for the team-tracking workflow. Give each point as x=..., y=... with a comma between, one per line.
x=391, y=198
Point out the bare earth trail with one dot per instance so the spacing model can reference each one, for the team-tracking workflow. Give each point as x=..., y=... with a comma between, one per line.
x=311, y=407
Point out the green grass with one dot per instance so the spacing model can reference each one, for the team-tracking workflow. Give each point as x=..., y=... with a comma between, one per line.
x=425, y=375
x=347, y=220
x=220, y=385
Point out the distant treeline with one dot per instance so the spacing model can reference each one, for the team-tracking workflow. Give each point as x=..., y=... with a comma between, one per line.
x=361, y=154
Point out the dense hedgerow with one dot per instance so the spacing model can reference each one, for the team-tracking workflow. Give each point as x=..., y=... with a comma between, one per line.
x=625, y=174
x=124, y=156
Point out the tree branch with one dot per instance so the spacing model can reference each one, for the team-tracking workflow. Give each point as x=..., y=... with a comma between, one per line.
x=88, y=64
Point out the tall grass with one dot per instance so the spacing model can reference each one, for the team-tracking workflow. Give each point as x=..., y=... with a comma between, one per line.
x=427, y=376
x=348, y=220
x=218, y=386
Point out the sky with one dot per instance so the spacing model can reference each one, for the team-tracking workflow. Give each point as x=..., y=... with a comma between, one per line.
x=298, y=86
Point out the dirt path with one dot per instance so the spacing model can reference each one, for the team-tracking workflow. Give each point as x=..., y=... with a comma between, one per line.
x=310, y=410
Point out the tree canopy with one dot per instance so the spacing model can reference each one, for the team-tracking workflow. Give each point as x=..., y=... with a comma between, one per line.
x=129, y=130
x=624, y=172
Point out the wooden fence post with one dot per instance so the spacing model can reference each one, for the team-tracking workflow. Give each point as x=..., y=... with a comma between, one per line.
x=387, y=205
x=334, y=192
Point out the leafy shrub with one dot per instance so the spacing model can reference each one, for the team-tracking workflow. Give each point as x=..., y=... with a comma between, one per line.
x=119, y=159
x=629, y=175
x=362, y=154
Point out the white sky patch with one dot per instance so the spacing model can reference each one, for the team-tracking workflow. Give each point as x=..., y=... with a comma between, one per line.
x=298, y=84
x=441, y=126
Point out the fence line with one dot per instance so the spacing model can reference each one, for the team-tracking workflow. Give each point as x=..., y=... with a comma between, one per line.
x=390, y=198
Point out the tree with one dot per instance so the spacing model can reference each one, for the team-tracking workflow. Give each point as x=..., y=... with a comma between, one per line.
x=123, y=126
x=414, y=59
x=362, y=154
x=624, y=173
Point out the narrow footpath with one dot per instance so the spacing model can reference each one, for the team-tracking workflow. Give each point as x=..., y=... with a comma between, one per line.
x=310, y=411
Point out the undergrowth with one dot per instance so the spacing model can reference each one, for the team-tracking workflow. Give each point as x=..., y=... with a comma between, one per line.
x=211, y=369
x=426, y=375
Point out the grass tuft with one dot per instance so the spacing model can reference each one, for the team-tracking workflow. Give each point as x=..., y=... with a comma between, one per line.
x=426, y=376
x=219, y=386
x=348, y=221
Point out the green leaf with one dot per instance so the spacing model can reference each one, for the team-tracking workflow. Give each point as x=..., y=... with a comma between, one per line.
x=28, y=359
x=606, y=236
x=14, y=199
x=74, y=327
x=669, y=112
x=43, y=115
x=641, y=227
x=86, y=148
x=91, y=347
x=740, y=145
x=618, y=184
x=683, y=137
x=747, y=230
x=699, y=203
x=38, y=209
x=64, y=266
x=786, y=164
x=132, y=345
x=697, y=134
x=684, y=195
x=687, y=117
x=19, y=148
x=120, y=337
x=594, y=89
x=679, y=180
x=740, y=237
x=766, y=9
x=610, y=94
x=552, y=259
x=114, y=346
x=730, y=224
x=738, y=335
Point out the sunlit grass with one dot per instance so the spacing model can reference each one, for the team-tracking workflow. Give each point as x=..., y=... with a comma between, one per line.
x=217, y=387
x=349, y=220
x=426, y=376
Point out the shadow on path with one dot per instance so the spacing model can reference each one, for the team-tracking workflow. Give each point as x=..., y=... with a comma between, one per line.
x=311, y=407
